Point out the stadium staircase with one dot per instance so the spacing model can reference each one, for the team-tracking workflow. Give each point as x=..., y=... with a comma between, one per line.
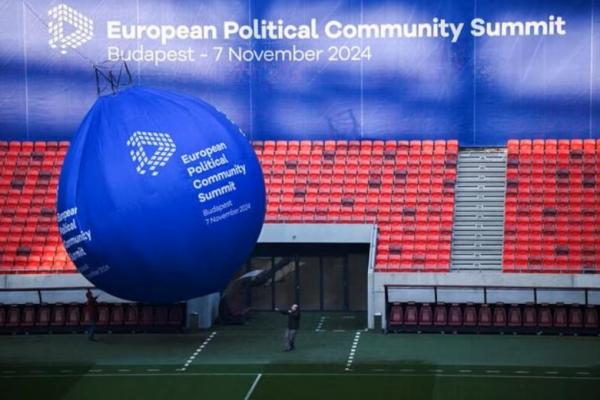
x=479, y=210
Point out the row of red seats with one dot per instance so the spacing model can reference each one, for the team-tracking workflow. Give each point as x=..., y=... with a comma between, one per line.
x=375, y=146
x=16, y=241
x=384, y=195
x=531, y=185
x=529, y=236
x=411, y=180
x=33, y=146
x=546, y=145
x=308, y=213
x=35, y=164
x=48, y=163
x=75, y=317
x=497, y=317
x=561, y=211
x=548, y=158
x=571, y=252
x=347, y=164
x=543, y=162
x=543, y=266
x=327, y=215
x=36, y=197
x=56, y=263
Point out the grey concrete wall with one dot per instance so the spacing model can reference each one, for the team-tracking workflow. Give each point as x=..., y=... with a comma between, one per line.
x=316, y=233
x=202, y=311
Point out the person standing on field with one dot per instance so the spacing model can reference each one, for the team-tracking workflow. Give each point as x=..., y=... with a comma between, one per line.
x=92, y=309
x=293, y=324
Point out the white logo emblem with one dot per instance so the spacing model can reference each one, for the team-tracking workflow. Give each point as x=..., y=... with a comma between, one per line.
x=165, y=147
x=68, y=28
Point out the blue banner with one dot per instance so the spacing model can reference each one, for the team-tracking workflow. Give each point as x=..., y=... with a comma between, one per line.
x=479, y=71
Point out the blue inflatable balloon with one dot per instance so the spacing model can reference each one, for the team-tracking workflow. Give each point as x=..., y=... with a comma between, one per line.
x=161, y=198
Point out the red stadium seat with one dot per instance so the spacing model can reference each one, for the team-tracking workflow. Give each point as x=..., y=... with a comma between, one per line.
x=43, y=316
x=13, y=318
x=132, y=316
x=104, y=314
x=590, y=319
x=560, y=316
x=499, y=315
x=485, y=316
x=58, y=315
x=425, y=315
x=470, y=315
x=411, y=314
x=117, y=315
x=27, y=316
x=514, y=316
x=575, y=316
x=396, y=315
x=545, y=316
x=147, y=316
x=455, y=315
x=529, y=316
x=73, y=315
x=440, y=315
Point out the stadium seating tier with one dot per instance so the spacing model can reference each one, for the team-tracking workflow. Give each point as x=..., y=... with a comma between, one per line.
x=552, y=204
x=405, y=187
x=29, y=173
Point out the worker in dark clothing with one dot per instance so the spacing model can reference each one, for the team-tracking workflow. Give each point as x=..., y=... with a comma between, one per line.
x=293, y=323
x=92, y=309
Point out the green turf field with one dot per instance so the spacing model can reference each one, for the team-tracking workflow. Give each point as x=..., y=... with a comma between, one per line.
x=338, y=360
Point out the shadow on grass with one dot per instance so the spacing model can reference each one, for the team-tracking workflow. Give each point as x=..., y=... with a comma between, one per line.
x=46, y=381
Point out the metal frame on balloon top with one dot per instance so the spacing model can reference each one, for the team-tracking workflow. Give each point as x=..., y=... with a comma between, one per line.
x=113, y=74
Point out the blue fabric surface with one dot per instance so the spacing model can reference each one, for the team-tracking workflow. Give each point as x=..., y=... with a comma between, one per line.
x=161, y=198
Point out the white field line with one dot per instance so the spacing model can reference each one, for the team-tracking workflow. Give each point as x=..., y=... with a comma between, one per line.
x=197, y=351
x=319, y=327
x=251, y=390
x=352, y=352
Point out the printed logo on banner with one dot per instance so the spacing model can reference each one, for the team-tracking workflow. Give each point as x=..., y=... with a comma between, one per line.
x=68, y=28
x=164, y=149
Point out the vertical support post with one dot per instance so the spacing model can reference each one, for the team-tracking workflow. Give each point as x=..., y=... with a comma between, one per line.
x=345, y=282
x=321, y=286
x=371, y=306
x=297, y=278
x=272, y=283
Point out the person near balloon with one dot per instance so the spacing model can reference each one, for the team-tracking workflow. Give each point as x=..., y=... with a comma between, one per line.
x=293, y=324
x=92, y=310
